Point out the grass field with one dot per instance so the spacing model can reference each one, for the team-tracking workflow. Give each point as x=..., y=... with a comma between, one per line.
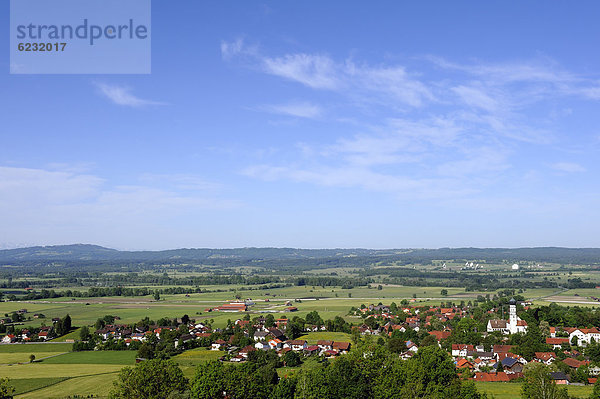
x=313, y=337
x=35, y=348
x=24, y=385
x=188, y=360
x=63, y=374
x=94, y=357
x=73, y=335
x=23, y=357
x=97, y=385
x=510, y=390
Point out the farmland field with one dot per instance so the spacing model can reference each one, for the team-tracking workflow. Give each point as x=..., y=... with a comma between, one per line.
x=313, y=337
x=512, y=390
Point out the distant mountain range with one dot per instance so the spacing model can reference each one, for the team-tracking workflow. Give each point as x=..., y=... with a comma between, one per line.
x=95, y=253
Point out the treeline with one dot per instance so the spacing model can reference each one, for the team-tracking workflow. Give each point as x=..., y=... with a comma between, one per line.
x=251, y=284
x=368, y=372
x=73, y=257
x=471, y=281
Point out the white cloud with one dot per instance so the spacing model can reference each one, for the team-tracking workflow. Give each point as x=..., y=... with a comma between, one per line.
x=122, y=95
x=477, y=97
x=298, y=109
x=568, y=167
x=315, y=71
x=318, y=71
x=453, y=135
x=50, y=206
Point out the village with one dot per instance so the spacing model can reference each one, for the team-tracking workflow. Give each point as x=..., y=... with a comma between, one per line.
x=496, y=354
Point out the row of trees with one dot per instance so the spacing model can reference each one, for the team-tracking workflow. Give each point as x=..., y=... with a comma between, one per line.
x=368, y=372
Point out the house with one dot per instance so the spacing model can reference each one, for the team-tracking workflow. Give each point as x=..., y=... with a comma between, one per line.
x=491, y=377
x=275, y=343
x=560, y=378
x=440, y=335
x=296, y=345
x=312, y=350
x=138, y=337
x=218, y=344
x=412, y=347
x=237, y=358
x=260, y=335
x=510, y=365
x=557, y=343
x=545, y=357
x=341, y=347
x=233, y=307
x=464, y=363
x=9, y=338
x=262, y=345
x=461, y=350
x=485, y=356
x=43, y=335
x=324, y=344
x=584, y=335
x=574, y=363
x=281, y=323
x=276, y=333
x=502, y=348
x=246, y=350
x=498, y=325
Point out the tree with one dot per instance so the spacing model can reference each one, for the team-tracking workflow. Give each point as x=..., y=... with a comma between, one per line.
x=150, y=379
x=293, y=330
x=539, y=384
x=146, y=351
x=428, y=340
x=209, y=381
x=285, y=389
x=545, y=328
x=31, y=358
x=291, y=359
x=596, y=392
x=444, y=292
x=84, y=333
x=156, y=295
x=6, y=390
x=66, y=322
x=269, y=320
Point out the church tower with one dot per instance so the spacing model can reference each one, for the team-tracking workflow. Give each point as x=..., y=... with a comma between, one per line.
x=513, y=316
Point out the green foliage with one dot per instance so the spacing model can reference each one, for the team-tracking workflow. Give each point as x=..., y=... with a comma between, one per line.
x=291, y=359
x=596, y=392
x=210, y=381
x=539, y=384
x=314, y=318
x=63, y=326
x=246, y=380
x=84, y=333
x=6, y=390
x=151, y=379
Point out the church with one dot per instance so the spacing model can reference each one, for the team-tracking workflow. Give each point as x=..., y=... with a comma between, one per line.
x=513, y=325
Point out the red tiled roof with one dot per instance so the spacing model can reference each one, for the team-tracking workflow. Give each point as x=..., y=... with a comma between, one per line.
x=557, y=341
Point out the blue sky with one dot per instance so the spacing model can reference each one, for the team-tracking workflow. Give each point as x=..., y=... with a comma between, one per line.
x=317, y=124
